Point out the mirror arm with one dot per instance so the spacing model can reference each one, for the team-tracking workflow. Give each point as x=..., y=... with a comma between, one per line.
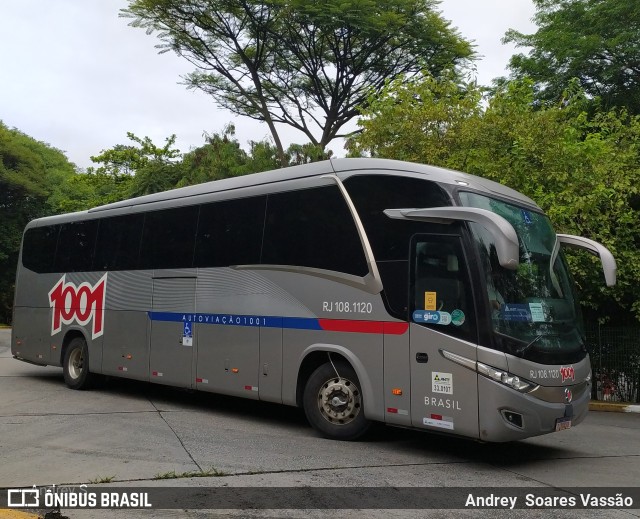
x=505, y=237
x=606, y=258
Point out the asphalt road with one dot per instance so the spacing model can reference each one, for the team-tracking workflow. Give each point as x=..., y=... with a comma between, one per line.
x=136, y=434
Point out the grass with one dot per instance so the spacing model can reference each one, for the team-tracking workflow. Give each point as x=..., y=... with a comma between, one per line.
x=212, y=472
x=102, y=479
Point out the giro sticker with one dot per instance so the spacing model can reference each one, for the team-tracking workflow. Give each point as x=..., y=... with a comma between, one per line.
x=426, y=316
x=80, y=304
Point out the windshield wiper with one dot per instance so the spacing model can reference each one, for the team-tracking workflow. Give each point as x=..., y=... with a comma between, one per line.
x=531, y=343
x=527, y=345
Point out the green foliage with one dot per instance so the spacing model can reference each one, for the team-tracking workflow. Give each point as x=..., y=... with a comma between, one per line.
x=222, y=157
x=154, y=168
x=595, y=41
x=143, y=168
x=125, y=159
x=422, y=119
x=306, y=153
x=306, y=64
x=584, y=171
x=32, y=174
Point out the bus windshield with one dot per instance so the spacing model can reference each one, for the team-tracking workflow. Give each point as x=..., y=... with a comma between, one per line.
x=535, y=311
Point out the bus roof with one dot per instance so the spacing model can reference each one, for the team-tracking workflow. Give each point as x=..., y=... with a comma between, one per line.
x=344, y=168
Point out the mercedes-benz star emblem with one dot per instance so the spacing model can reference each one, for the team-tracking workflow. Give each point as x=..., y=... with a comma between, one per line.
x=568, y=395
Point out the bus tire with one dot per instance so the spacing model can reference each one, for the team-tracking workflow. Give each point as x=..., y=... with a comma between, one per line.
x=333, y=405
x=75, y=366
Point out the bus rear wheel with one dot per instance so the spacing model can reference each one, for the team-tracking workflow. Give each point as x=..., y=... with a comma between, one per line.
x=75, y=366
x=333, y=402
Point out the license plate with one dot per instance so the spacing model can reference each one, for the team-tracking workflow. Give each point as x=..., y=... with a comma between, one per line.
x=562, y=424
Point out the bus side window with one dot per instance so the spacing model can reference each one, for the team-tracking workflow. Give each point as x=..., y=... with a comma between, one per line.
x=230, y=232
x=39, y=248
x=312, y=228
x=76, y=245
x=118, y=243
x=442, y=296
x=389, y=238
x=438, y=274
x=168, y=238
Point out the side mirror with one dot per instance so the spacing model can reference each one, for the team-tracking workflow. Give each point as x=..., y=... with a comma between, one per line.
x=597, y=249
x=503, y=233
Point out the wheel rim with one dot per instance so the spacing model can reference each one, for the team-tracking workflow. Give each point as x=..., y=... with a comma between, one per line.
x=76, y=363
x=339, y=401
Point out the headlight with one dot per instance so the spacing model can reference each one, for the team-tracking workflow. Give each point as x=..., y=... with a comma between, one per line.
x=503, y=377
x=513, y=381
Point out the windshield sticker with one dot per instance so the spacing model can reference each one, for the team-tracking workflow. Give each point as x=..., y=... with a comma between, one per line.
x=457, y=317
x=430, y=299
x=516, y=312
x=537, y=312
x=441, y=382
x=526, y=217
x=425, y=316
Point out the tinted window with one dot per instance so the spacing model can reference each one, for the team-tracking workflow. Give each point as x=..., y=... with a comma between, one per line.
x=75, y=246
x=312, y=228
x=230, y=233
x=39, y=248
x=372, y=194
x=441, y=291
x=118, y=243
x=389, y=238
x=168, y=238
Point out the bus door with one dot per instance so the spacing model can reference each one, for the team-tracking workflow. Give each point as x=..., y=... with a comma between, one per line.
x=444, y=394
x=172, y=331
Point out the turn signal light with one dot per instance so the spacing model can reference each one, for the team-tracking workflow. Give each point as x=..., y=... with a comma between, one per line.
x=396, y=391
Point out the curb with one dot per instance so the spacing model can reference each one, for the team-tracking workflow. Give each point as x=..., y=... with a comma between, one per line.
x=15, y=514
x=613, y=407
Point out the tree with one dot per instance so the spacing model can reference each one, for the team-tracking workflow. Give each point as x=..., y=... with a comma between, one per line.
x=152, y=168
x=583, y=171
x=595, y=41
x=306, y=64
x=222, y=157
x=422, y=119
x=31, y=172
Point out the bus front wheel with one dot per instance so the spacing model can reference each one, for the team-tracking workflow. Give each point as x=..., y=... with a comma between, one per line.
x=333, y=403
x=76, y=364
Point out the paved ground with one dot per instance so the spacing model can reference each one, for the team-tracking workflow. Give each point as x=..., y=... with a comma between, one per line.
x=133, y=434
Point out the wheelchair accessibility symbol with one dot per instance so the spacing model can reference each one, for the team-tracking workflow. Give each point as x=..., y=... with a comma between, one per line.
x=187, y=334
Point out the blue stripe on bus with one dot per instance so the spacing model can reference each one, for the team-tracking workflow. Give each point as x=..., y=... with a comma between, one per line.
x=291, y=323
x=297, y=323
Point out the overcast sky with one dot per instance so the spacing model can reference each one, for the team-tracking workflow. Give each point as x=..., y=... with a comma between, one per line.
x=75, y=75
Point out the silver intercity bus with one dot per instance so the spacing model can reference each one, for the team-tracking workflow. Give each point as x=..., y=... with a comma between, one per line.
x=360, y=289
